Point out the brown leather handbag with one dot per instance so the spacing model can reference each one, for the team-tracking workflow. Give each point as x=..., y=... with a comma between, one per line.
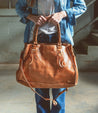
x=47, y=65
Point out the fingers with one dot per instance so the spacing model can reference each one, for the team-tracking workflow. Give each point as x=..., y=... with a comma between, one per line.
x=41, y=20
x=56, y=18
x=53, y=20
x=48, y=17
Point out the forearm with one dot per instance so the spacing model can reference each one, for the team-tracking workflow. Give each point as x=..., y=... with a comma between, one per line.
x=64, y=14
x=30, y=16
x=33, y=18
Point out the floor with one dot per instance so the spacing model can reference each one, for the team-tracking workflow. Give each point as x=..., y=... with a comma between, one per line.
x=15, y=98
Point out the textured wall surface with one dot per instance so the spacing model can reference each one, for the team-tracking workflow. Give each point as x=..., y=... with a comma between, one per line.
x=7, y=3
x=11, y=38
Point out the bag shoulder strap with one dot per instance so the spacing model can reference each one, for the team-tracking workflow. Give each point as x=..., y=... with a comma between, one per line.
x=46, y=99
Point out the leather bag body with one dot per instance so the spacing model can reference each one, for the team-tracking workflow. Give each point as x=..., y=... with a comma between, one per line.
x=47, y=65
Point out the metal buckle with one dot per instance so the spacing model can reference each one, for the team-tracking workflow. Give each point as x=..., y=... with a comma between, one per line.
x=61, y=64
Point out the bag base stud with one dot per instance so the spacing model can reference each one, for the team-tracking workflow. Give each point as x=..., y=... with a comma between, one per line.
x=54, y=103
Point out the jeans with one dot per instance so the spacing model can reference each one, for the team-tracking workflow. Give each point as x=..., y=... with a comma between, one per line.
x=42, y=105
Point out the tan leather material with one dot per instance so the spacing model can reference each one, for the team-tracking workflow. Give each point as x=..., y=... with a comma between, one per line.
x=45, y=65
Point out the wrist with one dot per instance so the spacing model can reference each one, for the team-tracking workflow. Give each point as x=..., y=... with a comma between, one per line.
x=29, y=16
x=64, y=14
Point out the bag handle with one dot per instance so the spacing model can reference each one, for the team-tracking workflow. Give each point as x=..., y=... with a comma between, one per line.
x=35, y=34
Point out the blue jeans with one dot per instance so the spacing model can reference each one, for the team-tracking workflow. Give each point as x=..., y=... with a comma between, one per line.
x=42, y=105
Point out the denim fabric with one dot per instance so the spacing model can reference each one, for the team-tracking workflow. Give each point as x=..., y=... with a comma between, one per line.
x=44, y=106
x=66, y=24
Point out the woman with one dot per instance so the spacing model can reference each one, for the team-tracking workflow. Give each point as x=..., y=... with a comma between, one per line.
x=46, y=14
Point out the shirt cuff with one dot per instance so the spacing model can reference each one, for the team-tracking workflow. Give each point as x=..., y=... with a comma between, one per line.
x=71, y=17
x=23, y=19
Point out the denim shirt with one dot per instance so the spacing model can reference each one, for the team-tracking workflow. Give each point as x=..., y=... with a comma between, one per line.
x=66, y=24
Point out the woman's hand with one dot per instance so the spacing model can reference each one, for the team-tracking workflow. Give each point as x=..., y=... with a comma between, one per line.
x=39, y=20
x=57, y=17
x=54, y=18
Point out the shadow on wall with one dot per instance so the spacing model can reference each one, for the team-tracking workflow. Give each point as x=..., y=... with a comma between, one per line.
x=89, y=77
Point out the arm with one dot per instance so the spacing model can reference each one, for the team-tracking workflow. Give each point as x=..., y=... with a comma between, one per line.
x=26, y=15
x=79, y=7
x=39, y=20
x=22, y=10
x=70, y=14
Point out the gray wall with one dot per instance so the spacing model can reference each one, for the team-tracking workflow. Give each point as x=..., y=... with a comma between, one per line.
x=7, y=3
x=87, y=17
x=12, y=33
x=11, y=37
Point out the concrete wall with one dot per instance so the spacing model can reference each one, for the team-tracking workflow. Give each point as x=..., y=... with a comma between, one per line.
x=11, y=37
x=7, y=3
x=12, y=33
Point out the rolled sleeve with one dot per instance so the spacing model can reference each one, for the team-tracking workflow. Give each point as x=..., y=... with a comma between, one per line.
x=71, y=17
x=79, y=7
x=22, y=10
x=24, y=20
